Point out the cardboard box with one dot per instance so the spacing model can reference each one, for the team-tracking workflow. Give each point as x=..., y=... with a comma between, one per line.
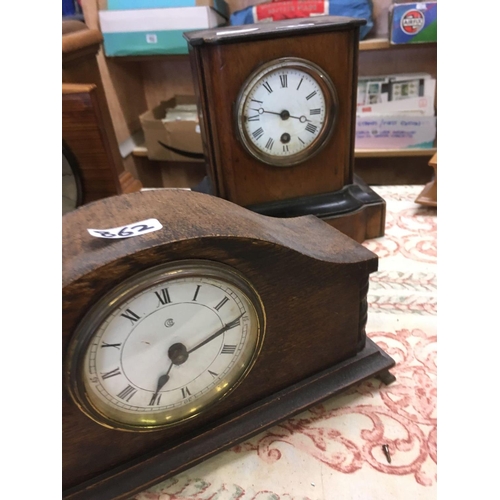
x=413, y=22
x=395, y=132
x=219, y=5
x=153, y=31
x=181, y=134
x=401, y=94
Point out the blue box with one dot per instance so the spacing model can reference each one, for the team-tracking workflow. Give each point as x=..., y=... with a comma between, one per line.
x=413, y=23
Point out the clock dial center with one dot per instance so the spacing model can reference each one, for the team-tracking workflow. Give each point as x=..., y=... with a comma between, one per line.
x=178, y=353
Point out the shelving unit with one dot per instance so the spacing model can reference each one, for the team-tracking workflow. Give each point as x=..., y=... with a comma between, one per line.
x=135, y=84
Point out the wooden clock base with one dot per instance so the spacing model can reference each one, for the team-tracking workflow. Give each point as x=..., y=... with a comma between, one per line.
x=355, y=210
x=129, y=479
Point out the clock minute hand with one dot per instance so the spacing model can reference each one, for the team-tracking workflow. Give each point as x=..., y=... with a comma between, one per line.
x=226, y=327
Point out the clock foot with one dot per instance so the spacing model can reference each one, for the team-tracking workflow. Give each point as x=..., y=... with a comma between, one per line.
x=386, y=377
x=355, y=210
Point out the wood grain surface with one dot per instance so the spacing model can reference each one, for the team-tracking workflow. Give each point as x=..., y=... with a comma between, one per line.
x=312, y=280
x=220, y=69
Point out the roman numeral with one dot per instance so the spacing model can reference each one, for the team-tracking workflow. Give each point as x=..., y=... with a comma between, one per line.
x=300, y=83
x=155, y=399
x=214, y=375
x=311, y=95
x=221, y=303
x=130, y=315
x=285, y=148
x=269, y=144
x=255, y=100
x=164, y=298
x=128, y=391
x=267, y=87
x=116, y=346
x=228, y=349
x=311, y=128
x=300, y=140
x=254, y=118
x=185, y=392
x=196, y=293
x=316, y=111
x=284, y=80
x=258, y=133
x=112, y=373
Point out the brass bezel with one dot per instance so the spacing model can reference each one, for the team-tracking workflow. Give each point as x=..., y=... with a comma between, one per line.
x=331, y=107
x=134, y=285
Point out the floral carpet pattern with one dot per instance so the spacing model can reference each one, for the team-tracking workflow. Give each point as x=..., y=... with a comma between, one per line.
x=334, y=451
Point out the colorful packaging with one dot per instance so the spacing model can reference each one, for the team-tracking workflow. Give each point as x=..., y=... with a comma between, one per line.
x=292, y=9
x=413, y=23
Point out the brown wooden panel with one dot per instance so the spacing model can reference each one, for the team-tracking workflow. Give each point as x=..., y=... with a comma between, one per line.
x=220, y=75
x=324, y=299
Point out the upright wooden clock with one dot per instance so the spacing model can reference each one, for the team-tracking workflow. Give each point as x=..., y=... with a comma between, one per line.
x=277, y=104
x=194, y=333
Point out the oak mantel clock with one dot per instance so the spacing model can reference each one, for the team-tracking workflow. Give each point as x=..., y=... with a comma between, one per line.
x=277, y=104
x=183, y=335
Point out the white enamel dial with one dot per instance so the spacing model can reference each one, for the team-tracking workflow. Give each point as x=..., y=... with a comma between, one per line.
x=286, y=111
x=177, y=340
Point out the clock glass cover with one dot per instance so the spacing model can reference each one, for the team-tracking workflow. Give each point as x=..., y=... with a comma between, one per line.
x=165, y=345
x=286, y=111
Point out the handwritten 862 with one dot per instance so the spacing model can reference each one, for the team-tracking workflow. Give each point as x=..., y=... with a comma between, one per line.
x=128, y=231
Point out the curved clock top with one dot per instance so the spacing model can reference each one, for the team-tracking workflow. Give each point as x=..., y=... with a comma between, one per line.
x=204, y=216
x=262, y=31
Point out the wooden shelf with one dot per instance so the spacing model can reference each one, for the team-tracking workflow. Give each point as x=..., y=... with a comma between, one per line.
x=370, y=44
x=383, y=44
x=384, y=153
x=142, y=152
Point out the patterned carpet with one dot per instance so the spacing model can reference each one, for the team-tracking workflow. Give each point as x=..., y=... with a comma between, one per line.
x=334, y=450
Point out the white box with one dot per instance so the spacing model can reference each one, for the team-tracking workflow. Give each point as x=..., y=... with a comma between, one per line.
x=395, y=132
x=411, y=93
x=153, y=31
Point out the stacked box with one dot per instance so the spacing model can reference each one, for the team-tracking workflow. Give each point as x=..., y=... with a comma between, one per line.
x=396, y=112
x=156, y=31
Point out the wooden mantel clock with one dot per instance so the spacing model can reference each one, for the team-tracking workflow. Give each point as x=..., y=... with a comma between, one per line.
x=277, y=105
x=184, y=335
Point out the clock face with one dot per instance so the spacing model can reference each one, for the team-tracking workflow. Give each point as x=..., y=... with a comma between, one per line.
x=286, y=111
x=71, y=182
x=165, y=345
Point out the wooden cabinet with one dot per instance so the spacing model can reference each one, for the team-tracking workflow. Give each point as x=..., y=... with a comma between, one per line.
x=135, y=84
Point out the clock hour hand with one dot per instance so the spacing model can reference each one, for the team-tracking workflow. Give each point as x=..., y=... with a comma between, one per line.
x=226, y=327
x=162, y=380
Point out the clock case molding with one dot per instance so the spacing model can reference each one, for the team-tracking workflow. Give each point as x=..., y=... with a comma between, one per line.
x=313, y=282
x=324, y=185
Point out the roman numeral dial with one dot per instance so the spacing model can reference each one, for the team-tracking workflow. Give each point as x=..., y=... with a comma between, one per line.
x=286, y=111
x=176, y=342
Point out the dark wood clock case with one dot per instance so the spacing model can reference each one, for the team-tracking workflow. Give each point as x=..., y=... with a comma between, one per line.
x=312, y=280
x=324, y=185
